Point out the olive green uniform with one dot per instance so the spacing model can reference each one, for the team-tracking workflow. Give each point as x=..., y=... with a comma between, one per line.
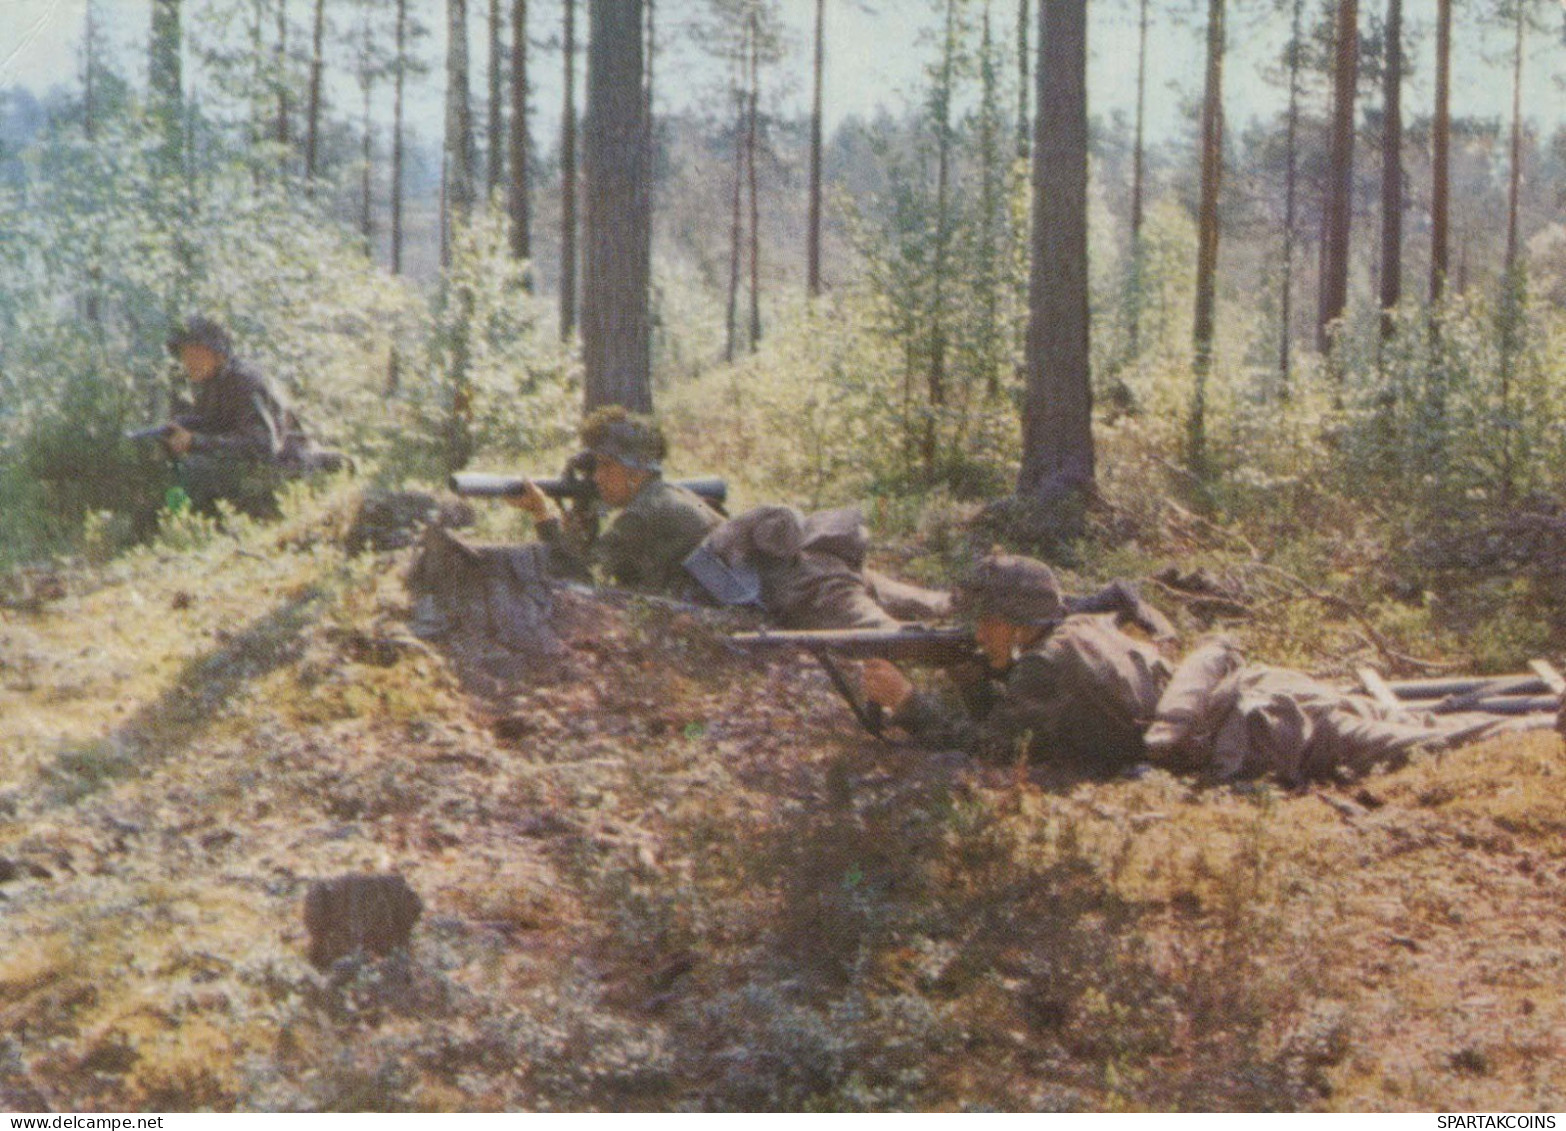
x=644, y=546
x=1224, y=718
x=1083, y=695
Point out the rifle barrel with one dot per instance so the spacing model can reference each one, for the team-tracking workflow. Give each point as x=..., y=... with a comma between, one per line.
x=931, y=645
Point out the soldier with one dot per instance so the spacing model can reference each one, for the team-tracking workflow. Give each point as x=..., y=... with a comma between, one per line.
x=810, y=570
x=239, y=440
x=1080, y=693
x=1072, y=688
x=659, y=524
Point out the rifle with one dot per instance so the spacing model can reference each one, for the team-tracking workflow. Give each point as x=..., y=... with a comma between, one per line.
x=577, y=488
x=913, y=644
x=153, y=432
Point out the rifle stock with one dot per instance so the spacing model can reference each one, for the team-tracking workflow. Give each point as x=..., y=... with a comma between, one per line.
x=914, y=644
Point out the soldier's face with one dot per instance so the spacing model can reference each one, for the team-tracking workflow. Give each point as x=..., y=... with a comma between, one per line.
x=616, y=483
x=998, y=640
x=200, y=362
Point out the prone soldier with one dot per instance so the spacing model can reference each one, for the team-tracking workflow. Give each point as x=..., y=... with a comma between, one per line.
x=659, y=524
x=1077, y=692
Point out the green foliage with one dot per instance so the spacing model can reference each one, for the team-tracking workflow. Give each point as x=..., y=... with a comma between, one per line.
x=487, y=381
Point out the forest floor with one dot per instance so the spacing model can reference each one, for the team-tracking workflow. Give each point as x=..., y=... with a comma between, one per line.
x=683, y=879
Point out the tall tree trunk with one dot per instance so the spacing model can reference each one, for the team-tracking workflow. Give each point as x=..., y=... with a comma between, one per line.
x=494, y=152
x=1290, y=202
x=936, y=378
x=89, y=69
x=1392, y=173
x=1024, y=134
x=568, y=188
x=520, y=201
x=399, y=81
x=755, y=203
x=990, y=205
x=366, y=174
x=258, y=98
x=1137, y=155
x=1514, y=174
x=459, y=119
x=1057, y=425
x=313, y=110
x=460, y=195
x=649, y=57
x=1207, y=238
x=813, y=223
x=1510, y=314
x=1340, y=174
x=736, y=221
x=1138, y=172
x=164, y=81
x=281, y=134
x=615, y=330
x=1440, y=150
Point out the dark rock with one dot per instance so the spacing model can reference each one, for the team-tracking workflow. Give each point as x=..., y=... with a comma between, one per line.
x=359, y=913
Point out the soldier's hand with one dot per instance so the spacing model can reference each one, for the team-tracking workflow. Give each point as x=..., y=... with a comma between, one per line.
x=885, y=685
x=532, y=500
x=177, y=440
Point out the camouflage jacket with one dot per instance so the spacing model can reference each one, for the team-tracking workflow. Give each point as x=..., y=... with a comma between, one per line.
x=238, y=414
x=1083, y=695
x=644, y=546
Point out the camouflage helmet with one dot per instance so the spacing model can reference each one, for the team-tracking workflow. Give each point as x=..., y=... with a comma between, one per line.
x=633, y=440
x=1011, y=588
x=201, y=331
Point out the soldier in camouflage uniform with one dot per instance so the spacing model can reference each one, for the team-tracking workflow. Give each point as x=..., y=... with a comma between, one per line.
x=1076, y=691
x=239, y=441
x=659, y=524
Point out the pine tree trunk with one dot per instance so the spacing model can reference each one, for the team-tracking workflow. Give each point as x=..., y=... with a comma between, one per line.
x=1024, y=134
x=650, y=56
x=736, y=222
x=164, y=81
x=568, y=178
x=1138, y=173
x=460, y=189
x=1440, y=150
x=1290, y=203
x=990, y=180
x=313, y=111
x=1514, y=174
x=755, y=203
x=520, y=198
x=399, y=80
x=281, y=134
x=367, y=170
x=936, y=378
x=813, y=223
x=1340, y=175
x=1392, y=173
x=495, y=141
x=1057, y=426
x=615, y=330
x=1207, y=239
